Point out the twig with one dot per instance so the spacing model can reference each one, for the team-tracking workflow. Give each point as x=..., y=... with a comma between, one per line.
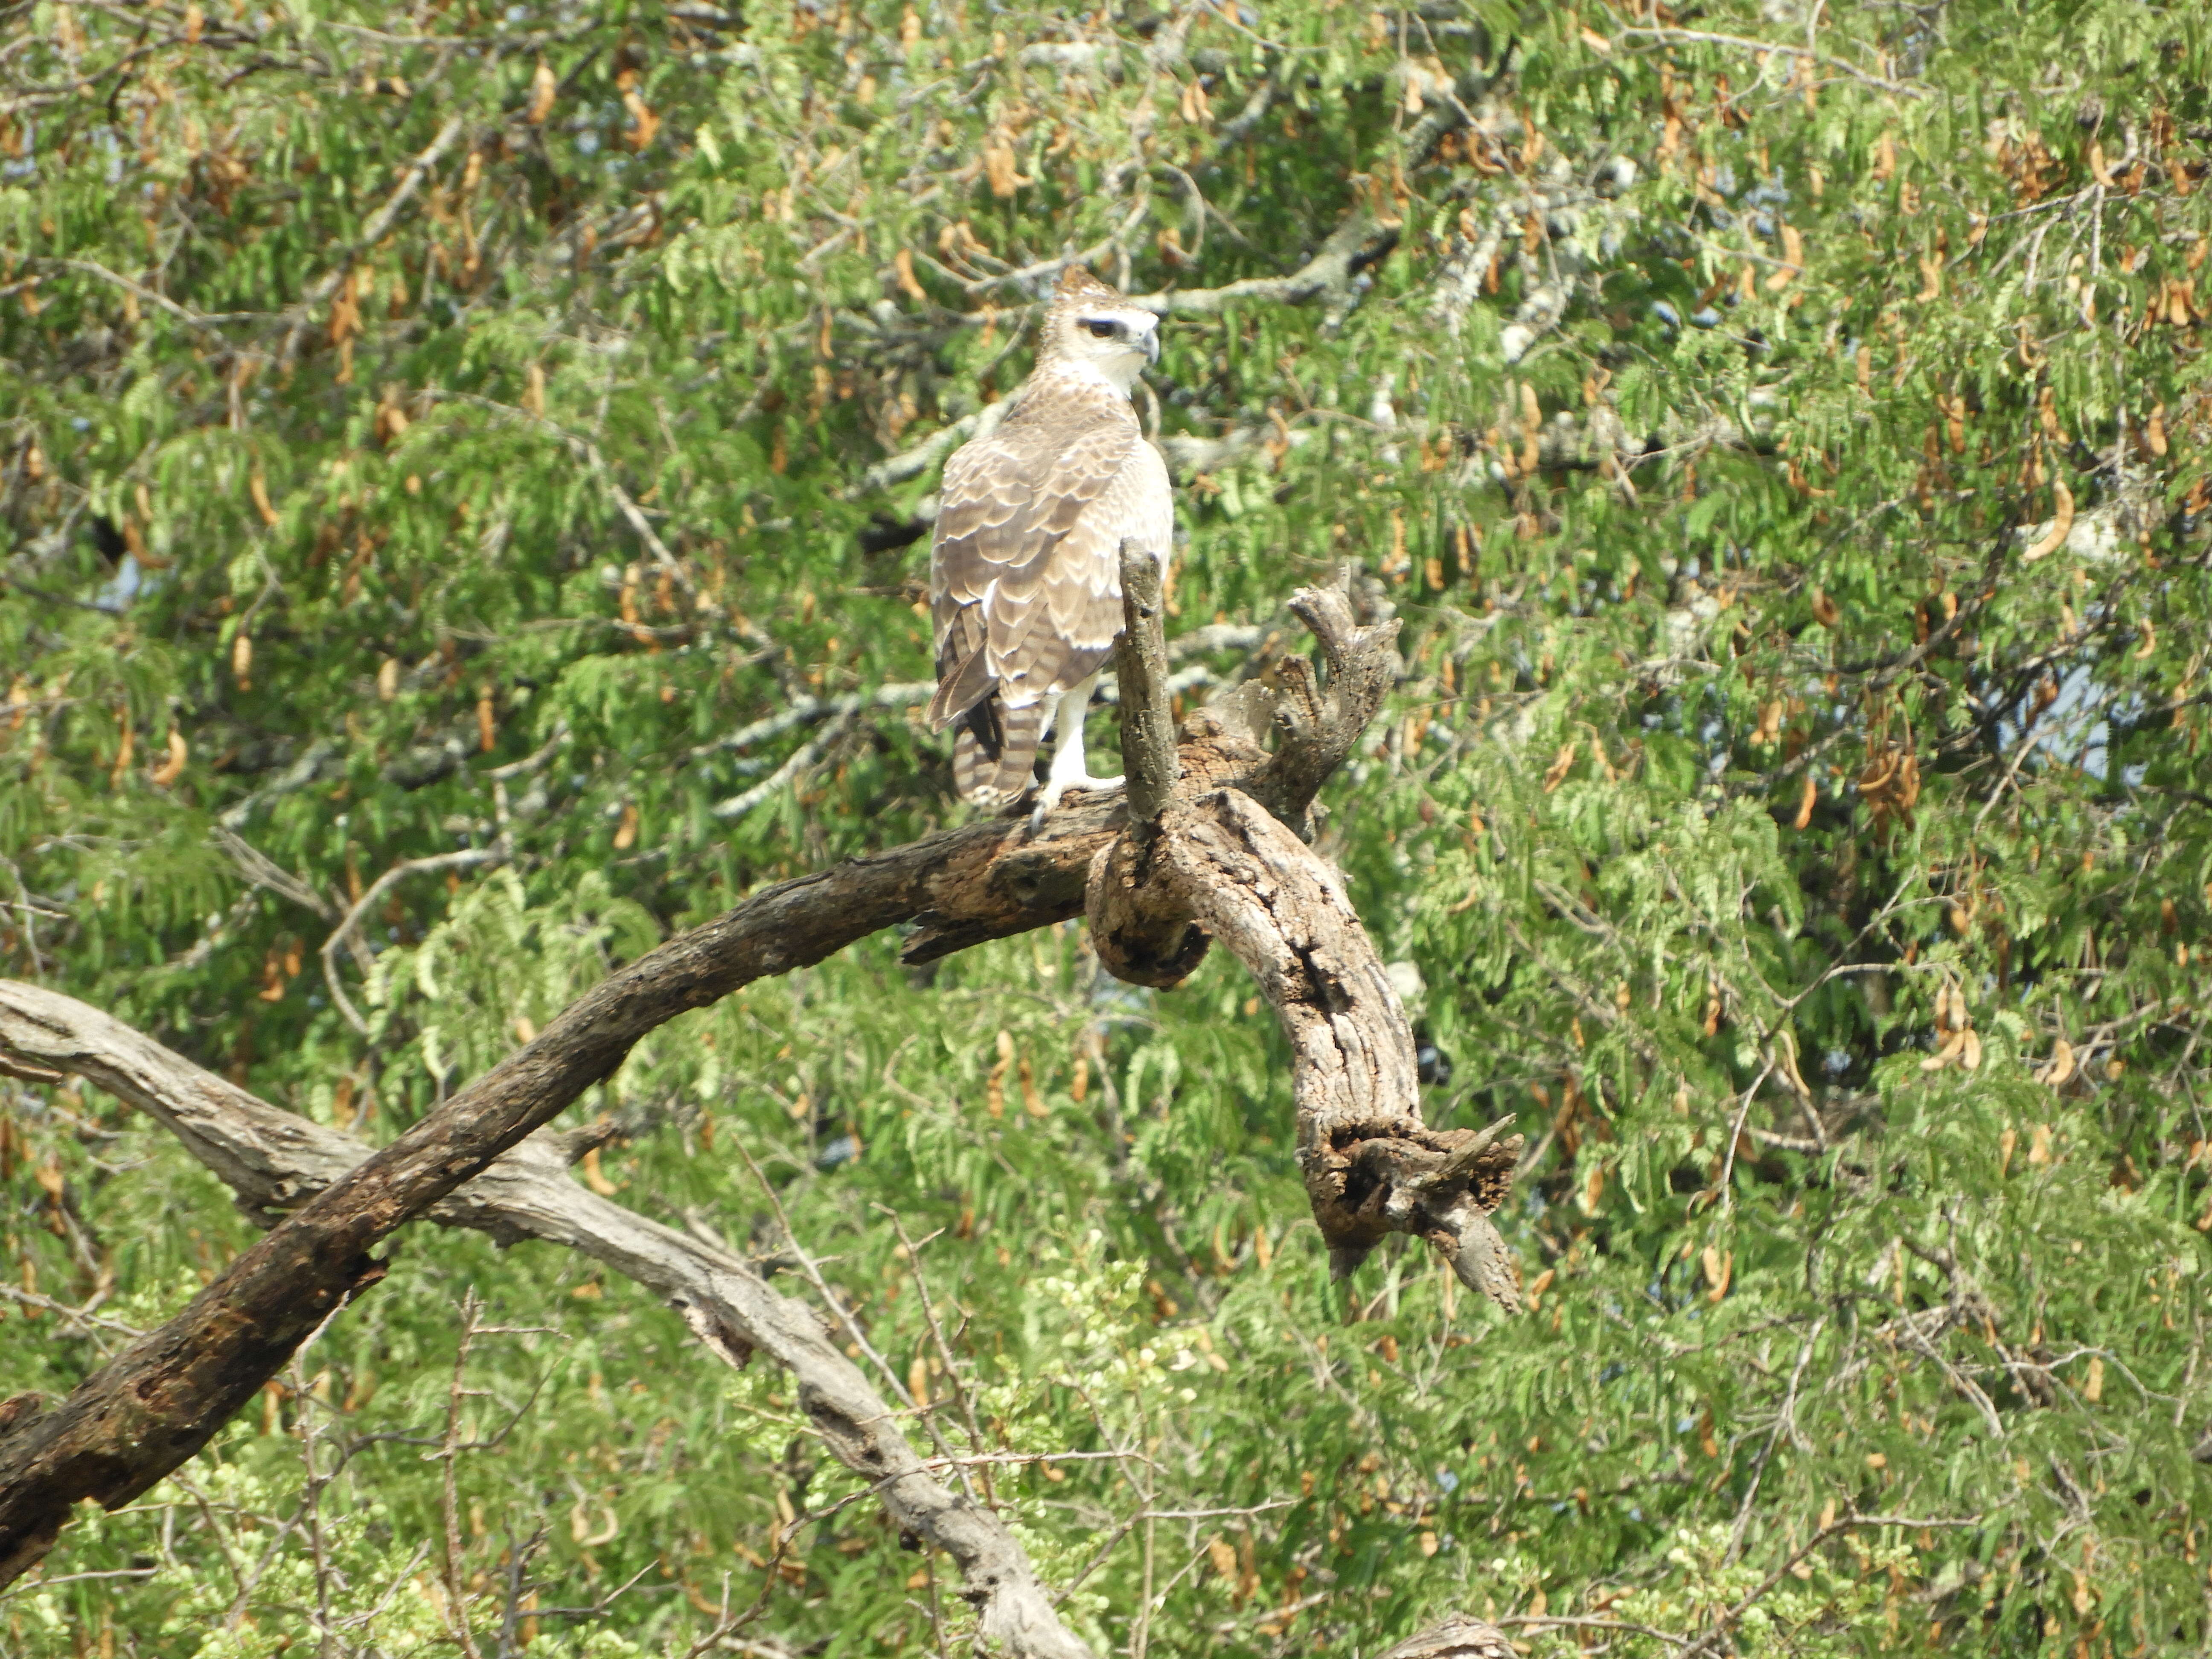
x=1782, y=1424
x=83, y=1318
x=159, y=300
x=801, y=757
x=945, y=1350
x=7, y=581
x=801, y=711
x=1701, y=37
x=449, y=1503
x=531, y=762
x=1360, y=241
x=1735, y=1133
x=1710, y=1641
x=860, y=1338
x=589, y=453
x=380, y=224
x=467, y=858
x=309, y=1516
x=264, y=872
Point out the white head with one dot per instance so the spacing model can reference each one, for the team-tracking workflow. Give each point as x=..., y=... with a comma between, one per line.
x=1092, y=331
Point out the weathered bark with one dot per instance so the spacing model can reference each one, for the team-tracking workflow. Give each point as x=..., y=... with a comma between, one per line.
x=1371, y=1166
x=1140, y=662
x=272, y=1159
x=154, y=1404
x=1221, y=861
x=1135, y=942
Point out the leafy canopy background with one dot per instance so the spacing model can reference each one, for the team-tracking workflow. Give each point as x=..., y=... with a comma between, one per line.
x=1781, y=427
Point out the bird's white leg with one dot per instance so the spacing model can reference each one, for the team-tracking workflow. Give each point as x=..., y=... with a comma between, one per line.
x=1068, y=770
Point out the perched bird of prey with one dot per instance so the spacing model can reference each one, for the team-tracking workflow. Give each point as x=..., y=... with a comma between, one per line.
x=1024, y=574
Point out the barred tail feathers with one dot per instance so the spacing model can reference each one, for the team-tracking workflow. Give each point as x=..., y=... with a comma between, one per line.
x=994, y=754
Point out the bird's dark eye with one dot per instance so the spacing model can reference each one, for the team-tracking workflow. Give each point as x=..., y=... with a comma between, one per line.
x=1103, y=330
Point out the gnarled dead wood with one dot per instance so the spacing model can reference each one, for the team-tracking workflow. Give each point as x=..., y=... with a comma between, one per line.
x=156, y=1403
x=1223, y=862
x=272, y=1159
x=1135, y=943
x=1371, y=1165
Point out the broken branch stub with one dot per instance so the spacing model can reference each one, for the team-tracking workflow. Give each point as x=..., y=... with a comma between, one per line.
x=1318, y=725
x=1220, y=860
x=1141, y=660
x=1137, y=938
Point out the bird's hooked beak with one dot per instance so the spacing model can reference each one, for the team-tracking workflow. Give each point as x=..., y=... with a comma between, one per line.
x=1153, y=345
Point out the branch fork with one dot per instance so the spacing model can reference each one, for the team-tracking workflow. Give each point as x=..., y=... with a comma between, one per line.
x=1207, y=854
x=1217, y=864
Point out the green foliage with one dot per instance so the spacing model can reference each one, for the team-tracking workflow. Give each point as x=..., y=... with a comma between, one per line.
x=460, y=430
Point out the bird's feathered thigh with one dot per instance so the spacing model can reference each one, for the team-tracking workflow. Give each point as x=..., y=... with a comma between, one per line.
x=1025, y=582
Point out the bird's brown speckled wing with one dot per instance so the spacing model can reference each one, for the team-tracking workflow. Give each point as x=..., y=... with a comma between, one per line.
x=1025, y=586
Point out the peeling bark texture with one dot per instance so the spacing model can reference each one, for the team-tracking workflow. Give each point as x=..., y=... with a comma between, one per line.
x=1223, y=862
x=1371, y=1166
x=272, y=1160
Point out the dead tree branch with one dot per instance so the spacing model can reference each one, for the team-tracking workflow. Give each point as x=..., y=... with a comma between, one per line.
x=273, y=1160
x=154, y=1405
x=1148, y=734
x=1220, y=865
x=348, y=932
x=1365, y=237
x=1136, y=943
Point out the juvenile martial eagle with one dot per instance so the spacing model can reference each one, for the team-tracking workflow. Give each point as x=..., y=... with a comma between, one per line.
x=1024, y=574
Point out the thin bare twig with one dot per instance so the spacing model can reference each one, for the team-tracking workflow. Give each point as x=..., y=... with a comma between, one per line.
x=345, y=932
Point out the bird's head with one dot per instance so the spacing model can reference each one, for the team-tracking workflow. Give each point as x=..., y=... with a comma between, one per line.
x=1094, y=329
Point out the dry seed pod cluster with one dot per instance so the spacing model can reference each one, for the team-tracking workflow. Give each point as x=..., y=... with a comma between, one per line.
x=1960, y=1042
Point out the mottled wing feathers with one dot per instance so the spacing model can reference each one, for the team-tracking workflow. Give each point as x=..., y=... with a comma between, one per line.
x=1018, y=577
x=1459, y=1636
x=1025, y=579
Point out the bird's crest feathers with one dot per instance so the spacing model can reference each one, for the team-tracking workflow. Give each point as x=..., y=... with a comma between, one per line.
x=1078, y=288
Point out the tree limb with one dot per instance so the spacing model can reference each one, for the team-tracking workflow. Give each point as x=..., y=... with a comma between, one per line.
x=156, y=1403
x=273, y=1159
x=348, y=930
x=1371, y=1165
x=1221, y=866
